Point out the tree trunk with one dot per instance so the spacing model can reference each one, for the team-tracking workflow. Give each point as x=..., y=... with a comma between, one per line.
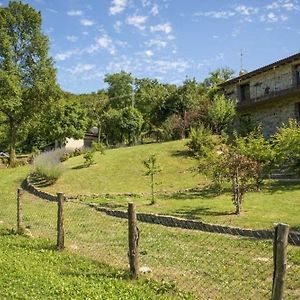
x=99, y=134
x=12, y=144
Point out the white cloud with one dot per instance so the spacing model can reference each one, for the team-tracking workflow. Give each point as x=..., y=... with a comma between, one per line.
x=166, y=28
x=157, y=43
x=117, y=6
x=149, y=53
x=51, y=10
x=165, y=66
x=103, y=42
x=65, y=55
x=216, y=14
x=72, y=38
x=246, y=10
x=74, y=13
x=86, y=22
x=283, y=4
x=137, y=21
x=81, y=68
x=272, y=18
x=154, y=10
x=117, y=26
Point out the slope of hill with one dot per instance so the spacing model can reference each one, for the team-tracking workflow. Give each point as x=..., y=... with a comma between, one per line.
x=122, y=171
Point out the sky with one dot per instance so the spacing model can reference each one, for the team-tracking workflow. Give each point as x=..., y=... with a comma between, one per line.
x=169, y=40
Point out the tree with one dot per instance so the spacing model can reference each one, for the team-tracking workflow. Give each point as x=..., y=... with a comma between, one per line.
x=120, y=89
x=67, y=120
x=27, y=75
x=188, y=97
x=218, y=76
x=96, y=105
x=255, y=147
x=152, y=169
x=287, y=145
x=221, y=113
x=215, y=78
x=241, y=173
x=131, y=121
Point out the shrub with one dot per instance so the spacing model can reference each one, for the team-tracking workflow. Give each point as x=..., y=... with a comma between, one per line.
x=88, y=159
x=77, y=152
x=65, y=157
x=201, y=141
x=221, y=113
x=48, y=164
x=287, y=145
x=98, y=147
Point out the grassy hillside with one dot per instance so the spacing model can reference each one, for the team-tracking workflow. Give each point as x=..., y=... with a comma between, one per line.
x=32, y=269
x=122, y=170
x=182, y=261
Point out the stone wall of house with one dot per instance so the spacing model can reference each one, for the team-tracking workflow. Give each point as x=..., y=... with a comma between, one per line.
x=280, y=78
x=277, y=79
x=273, y=116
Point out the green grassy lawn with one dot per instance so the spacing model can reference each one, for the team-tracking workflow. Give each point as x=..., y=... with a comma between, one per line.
x=184, y=264
x=121, y=170
x=276, y=203
x=31, y=269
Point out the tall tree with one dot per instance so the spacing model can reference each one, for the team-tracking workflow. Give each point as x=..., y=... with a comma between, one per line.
x=27, y=75
x=221, y=113
x=96, y=104
x=120, y=89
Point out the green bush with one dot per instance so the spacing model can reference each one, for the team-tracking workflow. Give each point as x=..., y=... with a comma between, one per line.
x=48, y=164
x=65, y=157
x=201, y=141
x=98, y=147
x=88, y=159
x=287, y=146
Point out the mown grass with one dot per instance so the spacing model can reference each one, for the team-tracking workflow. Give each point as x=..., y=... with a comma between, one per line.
x=121, y=171
x=31, y=269
x=184, y=264
x=189, y=264
x=275, y=203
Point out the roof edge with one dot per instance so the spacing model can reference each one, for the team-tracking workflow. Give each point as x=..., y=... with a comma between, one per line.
x=262, y=69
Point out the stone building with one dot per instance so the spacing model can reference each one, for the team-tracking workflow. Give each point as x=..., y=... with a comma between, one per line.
x=269, y=95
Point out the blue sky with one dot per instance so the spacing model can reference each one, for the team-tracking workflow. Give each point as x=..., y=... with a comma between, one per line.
x=164, y=39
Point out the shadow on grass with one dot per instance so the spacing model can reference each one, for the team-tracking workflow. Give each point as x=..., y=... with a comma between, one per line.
x=282, y=186
x=79, y=167
x=196, y=213
x=104, y=270
x=182, y=153
x=206, y=192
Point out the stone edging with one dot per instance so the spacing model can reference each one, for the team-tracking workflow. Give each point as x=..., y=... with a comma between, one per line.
x=170, y=221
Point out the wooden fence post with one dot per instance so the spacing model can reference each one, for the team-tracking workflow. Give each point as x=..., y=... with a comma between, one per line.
x=20, y=228
x=60, y=222
x=280, y=260
x=133, y=239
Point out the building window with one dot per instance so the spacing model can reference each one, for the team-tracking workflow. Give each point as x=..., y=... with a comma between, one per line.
x=245, y=92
